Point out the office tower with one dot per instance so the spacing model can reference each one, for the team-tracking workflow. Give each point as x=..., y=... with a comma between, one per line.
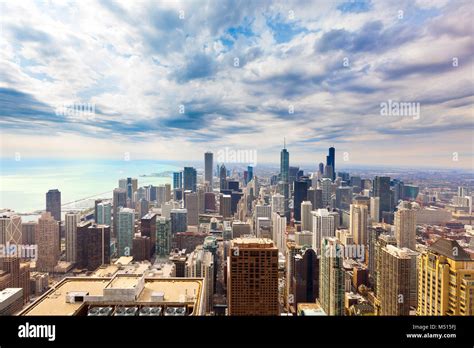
x=343, y=197
x=375, y=209
x=225, y=202
x=200, y=263
x=306, y=277
x=249, y=173
x=358, y=223
x=292, y=249
x=53, y=204
x=167, y=192
x=201, y=200
x=104, y=214
x=209, y=202
x=125, y=231
x=445, y=280
x=252, y=277
x=306, y=217
x=93, y=244
x=119, y=201
x=397, y=192
x=300, y=195
x=192, y=206
x=148, y=229
x=10, y=228
x=279, y=231
x=122, y=184
x=315, y=196
x=189, y=179
x=381, y=189
x=321, y=168
x=163, y=236
x=331, y=161
x=323, y=226
x=405, y=226
x=18, y=275
x=179, y=221
x=410, y=191
x=382, y=241
x=374, y=233
x=178, y=257
x=28, y=233
x=177, y=180
x=278, y=203
x=71, y=221
x=141, y=246
x=331, y=278
x=96, y=202
x=326, y=191
x=47, y=238
x=223, y=178
x=233, y=185
x=356, y=183
x=263, y=228
x=240, y=229
x=208, y=164
x=284, y=187
x=395, y=284
x=142, y=207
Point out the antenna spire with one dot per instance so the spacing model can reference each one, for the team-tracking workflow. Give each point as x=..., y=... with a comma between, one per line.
x=284, y=142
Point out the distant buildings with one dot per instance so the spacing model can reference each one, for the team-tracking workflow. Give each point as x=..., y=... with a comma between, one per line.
x=53, y=203
x=208, y=166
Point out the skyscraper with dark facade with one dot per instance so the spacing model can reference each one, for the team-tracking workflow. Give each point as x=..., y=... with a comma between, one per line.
x=222, y=178
x=300, y=195
x=381, y=189
x=331, y=161
x=93, y=245
x=250, y=173
x=284, y=179
x=190, y=179
x=306, y=277
x=177, y=180
x=208, y=164
x=53, y=204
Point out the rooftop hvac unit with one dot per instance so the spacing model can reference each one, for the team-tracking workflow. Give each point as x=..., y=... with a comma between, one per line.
x=150, y=311
x=100, y=311
x=175, y=311
x=126, y=311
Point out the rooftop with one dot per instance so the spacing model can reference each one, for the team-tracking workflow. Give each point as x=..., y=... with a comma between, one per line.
x=247, y=242
x=451, y=249
x=8, y=292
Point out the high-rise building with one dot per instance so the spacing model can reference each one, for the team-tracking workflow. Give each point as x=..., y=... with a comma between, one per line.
x=190, y=179
x=208, y=165
x=200, y=263
x=405, y=226
x=343, y=197
x=326, y=192
x=381, y=189
x=300, y=195
x=331, y=161
x=249, y=173
x=278, y=203
x=71, y=221
x=192, y=206
x=331, y=277
x=304, y=238
x=306, y=277
x=93, y=245
x=125, y=231
x=315, y=196
x=10, y=228
x=53, y=203
x=375, y=209
x=223, y=178
x=396, y=280
x=284, y=184
x=18, y=274
x=306, y=217
x=28, y=232
x=321, y=168
x=142, y=207
x=252, y=283
x=279, y=231
x=119, y=201
x=358, y=223
x=177, y=180
x=47, y=238
x=163, y=236
x=445, y=280
x=148, y=229
x=104, y=214
x=323, y=226
x=179, y=221
x=225, y=202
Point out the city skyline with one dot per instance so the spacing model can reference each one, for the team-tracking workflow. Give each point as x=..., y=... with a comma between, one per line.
x=192, y=77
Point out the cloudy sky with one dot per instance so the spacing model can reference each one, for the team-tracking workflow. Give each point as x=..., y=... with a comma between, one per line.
x=170, y=80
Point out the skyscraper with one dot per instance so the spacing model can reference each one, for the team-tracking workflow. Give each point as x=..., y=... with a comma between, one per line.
x=405, y=226
x=125, y=231
x=249, y=173
x=445, y=280
x=326, y=191
x=300, y=195
x=223, y=177
x=284, y=187
x=177, y=180
x=93, y=245
x=71, y=221
x=306, y=217
x=306, y=277
x=179, y=221
x=358, y=223
x=119, y=201
x=163, y=236
x=189, y=179
x=192, y=206
x=10, y=228
x=375, y=209
x=47, y=238
x=104, y=212
x=252, y=277
x=53, y=203
x=208, y=165
x=381, y=189
x=279, y=231
x=323, y=226
x=331, y=161
x=331, y=278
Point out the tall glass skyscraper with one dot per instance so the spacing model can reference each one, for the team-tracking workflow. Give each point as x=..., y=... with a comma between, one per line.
x=190, y=178
x=331, y=161
x=177, y=180
x=53, y=204
x=208, y=163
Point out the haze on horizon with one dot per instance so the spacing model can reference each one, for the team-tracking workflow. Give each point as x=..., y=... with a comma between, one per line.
x=172, y=80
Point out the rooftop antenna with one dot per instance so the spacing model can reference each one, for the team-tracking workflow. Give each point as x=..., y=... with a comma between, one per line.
x=284, y=142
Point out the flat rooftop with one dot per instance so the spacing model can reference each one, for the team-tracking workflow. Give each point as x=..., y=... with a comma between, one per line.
x=175, y=290
x=6, y=293
x=253, y=243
